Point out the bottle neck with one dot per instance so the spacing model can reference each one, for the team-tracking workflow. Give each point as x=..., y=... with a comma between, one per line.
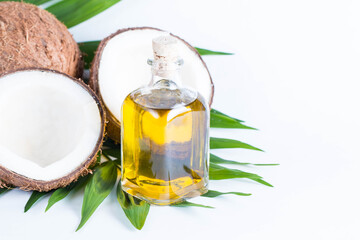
x=165, y=71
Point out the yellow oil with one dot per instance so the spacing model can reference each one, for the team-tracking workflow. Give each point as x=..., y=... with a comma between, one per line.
x=164, y=145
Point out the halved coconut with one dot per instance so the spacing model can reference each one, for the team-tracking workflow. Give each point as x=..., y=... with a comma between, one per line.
x=51, y=128
x=119, y=67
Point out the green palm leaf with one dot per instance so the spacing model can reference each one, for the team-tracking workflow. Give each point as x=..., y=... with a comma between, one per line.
x=73, y=12
x=213, y=111
x=220, y=120
x=98, y=188
x=114, y=152
x=190, y=204
x=203, y=51
x=212, y=194
x=35, y=196
x=88, y=49
x=216, y=143
x=218, y=172
x=135, y=210
x=219, y=160
x=4, y=190
x=61, y=193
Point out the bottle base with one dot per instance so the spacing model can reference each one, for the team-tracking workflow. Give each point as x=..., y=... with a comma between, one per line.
x=188, y=192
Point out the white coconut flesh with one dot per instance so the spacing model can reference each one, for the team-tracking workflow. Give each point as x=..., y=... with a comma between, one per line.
x=123, y=67
x=49, y=124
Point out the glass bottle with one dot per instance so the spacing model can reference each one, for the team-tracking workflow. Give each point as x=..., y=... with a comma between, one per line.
x=165, y=134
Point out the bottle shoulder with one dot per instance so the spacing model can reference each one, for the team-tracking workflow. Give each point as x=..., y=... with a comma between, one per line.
x=165, y=97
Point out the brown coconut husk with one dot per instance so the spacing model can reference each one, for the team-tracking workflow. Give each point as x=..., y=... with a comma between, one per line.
x=33, y=37
x=13, y=179
x=113, y=124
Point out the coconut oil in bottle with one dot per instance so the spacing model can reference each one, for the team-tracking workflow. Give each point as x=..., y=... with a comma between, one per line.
x=165, y=134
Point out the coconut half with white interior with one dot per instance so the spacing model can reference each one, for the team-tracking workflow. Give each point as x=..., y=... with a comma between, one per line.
x=120, y=66
x=51, y=129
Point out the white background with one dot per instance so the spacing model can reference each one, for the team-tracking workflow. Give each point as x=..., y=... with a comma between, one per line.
x=294, y=76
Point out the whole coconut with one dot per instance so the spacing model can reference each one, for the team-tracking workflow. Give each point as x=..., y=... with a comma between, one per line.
x=33, y=37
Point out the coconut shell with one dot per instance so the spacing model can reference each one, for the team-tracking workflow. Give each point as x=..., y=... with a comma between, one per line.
x=33, y=37
x=9, y=178
x=113, y=124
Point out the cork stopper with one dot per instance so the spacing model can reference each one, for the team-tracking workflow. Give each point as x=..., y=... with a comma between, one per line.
x=165, y=47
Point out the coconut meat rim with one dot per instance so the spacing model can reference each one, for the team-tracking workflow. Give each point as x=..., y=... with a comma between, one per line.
x=49, y=124
x=123, y=67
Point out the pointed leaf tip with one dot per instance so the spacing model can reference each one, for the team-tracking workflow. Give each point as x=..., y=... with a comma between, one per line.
x=97, y=189
x=136, y=210
x=218, y=172
x=35, y=196
x=221, y=120
x=190, y=204
x=216, y=143
x=213, y=194
x=218, y=160
x=61, y=193
x=203, y=52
